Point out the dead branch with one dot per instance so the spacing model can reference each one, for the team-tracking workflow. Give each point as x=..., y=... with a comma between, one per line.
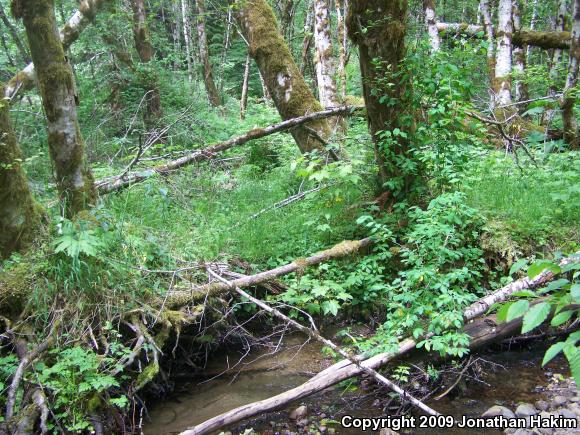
x=345, y=369
x=112, y=184
x=179, y=298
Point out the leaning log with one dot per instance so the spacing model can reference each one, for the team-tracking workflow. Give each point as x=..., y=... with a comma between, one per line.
x=108, y=185
x=26, y=79
x=520, y=38
x=345, y=369
x=180, y=298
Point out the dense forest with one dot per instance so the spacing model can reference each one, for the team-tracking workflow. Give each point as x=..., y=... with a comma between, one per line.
x=182, y=181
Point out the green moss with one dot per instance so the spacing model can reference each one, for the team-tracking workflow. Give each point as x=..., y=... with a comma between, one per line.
x=147, y=375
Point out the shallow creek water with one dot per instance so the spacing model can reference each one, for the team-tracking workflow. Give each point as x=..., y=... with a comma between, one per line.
x=262, y=375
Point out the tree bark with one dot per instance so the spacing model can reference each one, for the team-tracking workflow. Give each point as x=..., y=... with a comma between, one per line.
x=177, y=26
x=431, y=24
x=341, y=33
x=290, y=93
x=503, y=67
x=244, y=98
x=519, y=55
x=308, y=33
x=325, y=62
x=56, y=85
x=570, y=122
x=557, y=58
x=150, y=81
x=533, y=22
x=14, y=33
x=26, y=79
x=210, y=87
x=20, y=215
x=381, y=48
x=187, y=37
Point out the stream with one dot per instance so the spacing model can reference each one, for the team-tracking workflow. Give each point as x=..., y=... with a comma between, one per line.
x=510, y=377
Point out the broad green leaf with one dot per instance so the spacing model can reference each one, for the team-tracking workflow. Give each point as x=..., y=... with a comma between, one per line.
x=575, y=292
x=517, y=266
x=539, y=266
x=502, y=312
x=524, y=294
x=571, y=266
x=561, y=318
x=554, y=350
x=536, y=316
x=330, y=306
x=573, y=357
x=559, y=283
x=517, y=309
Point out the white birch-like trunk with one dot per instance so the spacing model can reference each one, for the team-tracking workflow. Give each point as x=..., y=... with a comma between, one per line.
x=176, y=12
x=485, y=8
x=569, y=120
x=533, y=22
x=431, y=24
x=187, y=38
x=557, y=58
x=341, y=33
x=324, y=60
x=503, y=64
x=244, y=99
x=519, y=56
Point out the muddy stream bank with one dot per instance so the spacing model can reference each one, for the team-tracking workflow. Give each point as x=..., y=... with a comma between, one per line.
x=508, y=378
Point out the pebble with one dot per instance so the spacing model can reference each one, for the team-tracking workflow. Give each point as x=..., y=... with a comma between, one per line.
x=498, y=410
x=559, y=400
x=542, y=405
x=299, y=412
x=387, y=431
x=526, y=410
x=566, y=413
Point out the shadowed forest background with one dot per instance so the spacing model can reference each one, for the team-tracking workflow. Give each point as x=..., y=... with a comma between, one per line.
x=180, y=178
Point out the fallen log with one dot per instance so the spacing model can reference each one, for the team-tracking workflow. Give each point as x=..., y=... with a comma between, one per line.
x=112, y=184
x=345, y=369
x=520, y=38
x=180, y=298
x=26, y=79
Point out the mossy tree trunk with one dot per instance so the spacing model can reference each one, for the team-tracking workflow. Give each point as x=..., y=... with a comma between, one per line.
x=325, y=61
x=210, y=87
x=149, y=79
x=431, y=24
x=503, y=66
x=57, y=90
x=285, y=84
x=20, y=215
x=381, y=48
x=342, y=41
x=570, y=122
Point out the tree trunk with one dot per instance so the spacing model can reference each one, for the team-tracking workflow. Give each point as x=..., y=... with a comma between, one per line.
x=341, y=33
x=485, y=7
x=533, y=22
x=210, y=87
x=177, y=26
x=325, y=62
x=431, y=24
x=153, y=111
x=56, y=85
x=557, y=59
x=569, y=120
x=14, y=33
x=381, y=49
x=519, y=54
x=308, y=32
x=20, y=215
x=503, y=67
x=286, y=85
x=244, y=99
x=187, y=37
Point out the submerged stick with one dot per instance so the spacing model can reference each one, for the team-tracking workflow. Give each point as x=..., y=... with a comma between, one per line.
x=108, y=185
x=345, y=369
x=216, y=423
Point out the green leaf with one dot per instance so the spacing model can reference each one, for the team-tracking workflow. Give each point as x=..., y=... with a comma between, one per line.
x=517, y=266
x=524, y=294
x=559, y=283
x=539, y=266
x=535, y=316
x=561, y=318
x=573, y=357
x=517, y=309
x=331, y=307
x=502, y=312
x=575, y=292
x=554, y=350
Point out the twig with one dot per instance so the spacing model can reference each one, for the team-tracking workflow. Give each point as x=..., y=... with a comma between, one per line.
x=448, y=390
